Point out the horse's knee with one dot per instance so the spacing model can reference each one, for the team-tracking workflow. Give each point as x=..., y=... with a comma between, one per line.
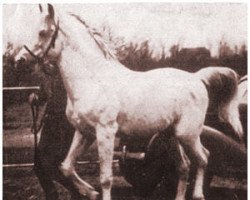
x=183, y=170
x=66, y=170
x=203, y=161
x=206, y=152
x=106, y=182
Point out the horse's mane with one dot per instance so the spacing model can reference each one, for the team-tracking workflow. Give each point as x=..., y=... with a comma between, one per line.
x=97, y=36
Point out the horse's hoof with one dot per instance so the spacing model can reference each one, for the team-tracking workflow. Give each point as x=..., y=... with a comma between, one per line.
x=94, y=195
x=198, y=196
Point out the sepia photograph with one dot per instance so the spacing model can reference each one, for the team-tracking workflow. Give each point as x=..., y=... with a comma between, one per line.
x=124, y=101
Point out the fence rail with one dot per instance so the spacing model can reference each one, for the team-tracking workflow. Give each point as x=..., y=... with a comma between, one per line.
x=117, y=154
x=21, y=88
x=32, y=164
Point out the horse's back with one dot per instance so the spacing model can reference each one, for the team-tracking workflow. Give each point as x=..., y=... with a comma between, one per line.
x=157, y=99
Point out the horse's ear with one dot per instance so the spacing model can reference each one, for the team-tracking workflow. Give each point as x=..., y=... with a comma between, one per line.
x=51, y=11
x=40, y=8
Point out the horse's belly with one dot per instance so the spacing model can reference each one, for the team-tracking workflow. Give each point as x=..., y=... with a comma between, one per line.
x=147, y=123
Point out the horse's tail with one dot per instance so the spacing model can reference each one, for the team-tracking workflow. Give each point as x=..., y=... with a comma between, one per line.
x=222, y=87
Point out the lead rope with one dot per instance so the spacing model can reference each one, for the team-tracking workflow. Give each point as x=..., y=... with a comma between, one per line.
x=35, y=129
x=35, y=112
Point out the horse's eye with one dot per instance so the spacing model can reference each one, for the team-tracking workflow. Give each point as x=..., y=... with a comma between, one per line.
x=43, y=33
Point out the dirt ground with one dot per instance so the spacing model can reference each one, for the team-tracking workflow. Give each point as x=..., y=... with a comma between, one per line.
x=22, y=184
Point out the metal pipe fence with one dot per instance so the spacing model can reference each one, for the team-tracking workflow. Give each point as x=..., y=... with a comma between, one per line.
x=14, y=125
x=21, y=88
x=20, y=165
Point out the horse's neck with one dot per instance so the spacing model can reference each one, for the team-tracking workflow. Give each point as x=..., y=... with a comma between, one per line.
x=72, y=71
x=82, y=42
x=82, y=63
x=78, y=77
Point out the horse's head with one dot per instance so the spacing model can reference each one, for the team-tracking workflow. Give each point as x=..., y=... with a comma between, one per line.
x=36, y=41
x=33, y=43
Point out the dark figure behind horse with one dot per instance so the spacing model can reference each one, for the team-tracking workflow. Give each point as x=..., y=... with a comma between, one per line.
x=55, y=139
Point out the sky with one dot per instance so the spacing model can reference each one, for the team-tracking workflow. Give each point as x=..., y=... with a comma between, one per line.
x=165, y=24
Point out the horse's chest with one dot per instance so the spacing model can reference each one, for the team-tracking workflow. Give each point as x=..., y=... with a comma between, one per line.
x=92, y=110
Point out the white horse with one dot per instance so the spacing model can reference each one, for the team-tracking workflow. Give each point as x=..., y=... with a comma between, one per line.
x=106, y=97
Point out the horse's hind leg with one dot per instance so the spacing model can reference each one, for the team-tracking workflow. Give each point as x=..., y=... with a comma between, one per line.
x=195, y=149
x=183, y=166
x=105, y=140
x=79, y=144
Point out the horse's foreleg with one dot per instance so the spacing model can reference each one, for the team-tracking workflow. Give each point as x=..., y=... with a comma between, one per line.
x=105, y=140
x=200, y=155
x=183, y=166
x=79, y=144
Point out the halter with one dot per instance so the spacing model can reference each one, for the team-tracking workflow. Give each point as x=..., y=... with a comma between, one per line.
x=41, y=60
